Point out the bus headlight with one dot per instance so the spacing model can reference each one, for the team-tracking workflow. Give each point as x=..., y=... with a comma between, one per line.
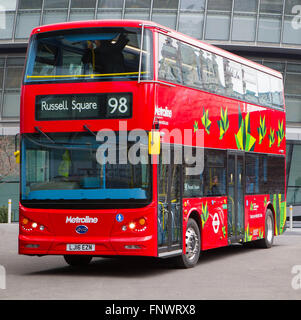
x=138, y=225
x=132, y=225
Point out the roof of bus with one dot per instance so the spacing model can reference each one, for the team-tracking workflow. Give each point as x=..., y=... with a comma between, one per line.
x=151, y=24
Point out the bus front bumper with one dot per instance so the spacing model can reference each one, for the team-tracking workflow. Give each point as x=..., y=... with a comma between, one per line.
x=48, y=245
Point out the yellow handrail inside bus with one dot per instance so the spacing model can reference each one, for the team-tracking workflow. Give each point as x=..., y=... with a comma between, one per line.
x=86, y=75
x=162, y=205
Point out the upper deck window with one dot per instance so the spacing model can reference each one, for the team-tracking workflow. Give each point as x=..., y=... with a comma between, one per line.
x=94, y=54
x=188, y=65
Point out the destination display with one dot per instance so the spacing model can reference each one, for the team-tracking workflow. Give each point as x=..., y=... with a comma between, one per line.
x=84, y=106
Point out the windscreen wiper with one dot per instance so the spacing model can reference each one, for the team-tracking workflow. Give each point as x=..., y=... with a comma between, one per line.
x=89, y=130
x=44, y=134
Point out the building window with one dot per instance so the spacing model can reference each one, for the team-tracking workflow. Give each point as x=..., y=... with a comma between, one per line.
x=11, y=94
x=165, y=12
x=55, y=4
x=32, y=4
x=217, y=26
x=225, y=5
x=193, y=5
x=54, y=16
x=82, y=10
x=6, y=24
x=110, y=9
x=55, y=11
x=81, y=15
x=294, y=179
x=269, y=28
x=137, y=4
x=8, y=5
x=135, y=9
x=293, y=108
x=191, y=18
x=85, y=4
x=245, y=6
x=26, y=21
x=191, y=23
x=244, y=27
x=291, y=29
x=271, y=6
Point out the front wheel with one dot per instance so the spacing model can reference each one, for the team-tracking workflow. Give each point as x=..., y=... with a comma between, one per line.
x=77, y=260
x=193, y=246
x=268, y=239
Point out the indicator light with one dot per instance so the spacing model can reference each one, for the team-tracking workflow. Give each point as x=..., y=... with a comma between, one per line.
x=25, y=221
x=142, y=221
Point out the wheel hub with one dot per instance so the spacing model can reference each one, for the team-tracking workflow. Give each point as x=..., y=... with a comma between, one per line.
x=192, y=241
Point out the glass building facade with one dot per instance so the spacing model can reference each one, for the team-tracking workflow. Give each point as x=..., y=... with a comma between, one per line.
x=266, y=31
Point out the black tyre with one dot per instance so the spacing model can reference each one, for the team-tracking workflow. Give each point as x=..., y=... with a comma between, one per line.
x=193, y=246
x=77, y=260
x=268, y=239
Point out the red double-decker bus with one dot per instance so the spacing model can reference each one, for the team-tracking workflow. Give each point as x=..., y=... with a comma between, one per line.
x=211, y=148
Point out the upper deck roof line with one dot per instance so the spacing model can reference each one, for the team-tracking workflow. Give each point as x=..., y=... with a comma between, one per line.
x=138, y=23
x=95, y=23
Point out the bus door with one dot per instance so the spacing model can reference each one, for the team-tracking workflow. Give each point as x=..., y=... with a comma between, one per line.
x=169, y=205
x=236, y=177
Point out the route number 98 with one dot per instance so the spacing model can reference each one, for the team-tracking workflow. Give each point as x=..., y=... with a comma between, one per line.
x=118, y=105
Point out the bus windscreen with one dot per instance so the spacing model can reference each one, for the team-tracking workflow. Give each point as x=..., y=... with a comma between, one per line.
x=64, y=166
x=90, y=54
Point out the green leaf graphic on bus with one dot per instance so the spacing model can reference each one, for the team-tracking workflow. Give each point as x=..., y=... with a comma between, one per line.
x=205, y=120
x=205, y=214
x=195, y=126
x=282, y=209
x=244, y=140
x=280, y=212
x=261, y=129
x=223, y=124
x=280, y=132
x=251, y=207
x=271, y=137
x=248, y=236
x=224, y=231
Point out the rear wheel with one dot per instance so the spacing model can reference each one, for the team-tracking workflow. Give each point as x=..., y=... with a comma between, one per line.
x=268, y=239
x=193, y=246
x=77, y=260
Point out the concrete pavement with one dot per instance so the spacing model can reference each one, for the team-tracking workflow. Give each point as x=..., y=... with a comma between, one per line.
x=232, y=272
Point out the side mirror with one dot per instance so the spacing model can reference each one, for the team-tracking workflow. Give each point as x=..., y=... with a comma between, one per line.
x=17, y=156
x=154, y=142
x=17, y=152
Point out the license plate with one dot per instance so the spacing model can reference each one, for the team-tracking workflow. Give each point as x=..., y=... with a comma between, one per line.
x=80, y=247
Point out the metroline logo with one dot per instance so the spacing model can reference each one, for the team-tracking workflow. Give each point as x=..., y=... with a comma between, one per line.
x=163, y=112
x=86, y=219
